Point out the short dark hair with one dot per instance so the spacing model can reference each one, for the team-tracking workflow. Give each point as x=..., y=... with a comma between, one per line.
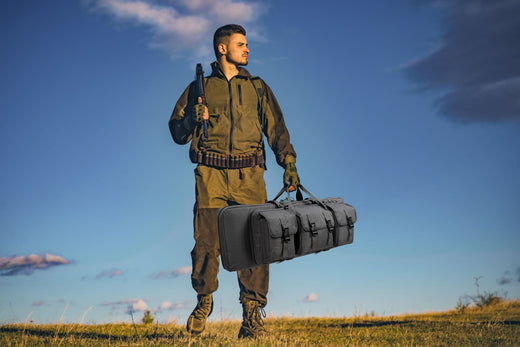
x=225, y=31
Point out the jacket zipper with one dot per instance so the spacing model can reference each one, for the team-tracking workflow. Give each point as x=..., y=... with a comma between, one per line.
x=230, y=117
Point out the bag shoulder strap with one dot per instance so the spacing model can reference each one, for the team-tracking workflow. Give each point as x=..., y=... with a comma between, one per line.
x=258, y=86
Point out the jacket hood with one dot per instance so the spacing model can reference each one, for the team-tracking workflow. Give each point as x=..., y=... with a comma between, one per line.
x=217, y=71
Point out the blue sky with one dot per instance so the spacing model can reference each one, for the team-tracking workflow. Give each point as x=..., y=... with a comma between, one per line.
x=409, y=111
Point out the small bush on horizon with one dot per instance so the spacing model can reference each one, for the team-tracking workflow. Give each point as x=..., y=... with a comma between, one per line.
x=461, y=306
x=487, y=299
x=148, y=317
x=480, y=300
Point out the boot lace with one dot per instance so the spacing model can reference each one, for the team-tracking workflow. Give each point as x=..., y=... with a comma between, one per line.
x=203, y=309
x=259, y=314
x=254, y=314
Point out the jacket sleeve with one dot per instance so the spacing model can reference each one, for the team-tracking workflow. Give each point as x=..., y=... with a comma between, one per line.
x=179, y=133
x=274, y=127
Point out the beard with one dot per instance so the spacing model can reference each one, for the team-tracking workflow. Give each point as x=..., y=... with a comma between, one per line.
x=246, y=61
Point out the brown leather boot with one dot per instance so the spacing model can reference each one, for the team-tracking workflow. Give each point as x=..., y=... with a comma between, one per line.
x=252, y=323
x=197, y=320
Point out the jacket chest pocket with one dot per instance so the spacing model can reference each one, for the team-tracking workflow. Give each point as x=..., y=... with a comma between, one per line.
x=245, y=112
x=245, y=96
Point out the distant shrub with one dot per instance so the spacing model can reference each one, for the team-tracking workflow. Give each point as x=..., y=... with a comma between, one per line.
x=148, y=317
x=461, y=306
x=487, y=299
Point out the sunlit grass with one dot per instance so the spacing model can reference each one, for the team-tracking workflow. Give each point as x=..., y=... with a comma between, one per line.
x=497, y=324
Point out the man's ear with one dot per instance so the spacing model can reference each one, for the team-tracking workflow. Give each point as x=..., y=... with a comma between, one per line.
x=222, y=48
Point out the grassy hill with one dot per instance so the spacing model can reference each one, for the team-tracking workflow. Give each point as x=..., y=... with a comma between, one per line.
x=497, y=324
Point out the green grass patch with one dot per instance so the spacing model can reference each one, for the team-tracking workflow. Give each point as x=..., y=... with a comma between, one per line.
x=494, y=325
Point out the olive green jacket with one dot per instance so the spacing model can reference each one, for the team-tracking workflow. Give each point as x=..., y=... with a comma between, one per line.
x=240, y=111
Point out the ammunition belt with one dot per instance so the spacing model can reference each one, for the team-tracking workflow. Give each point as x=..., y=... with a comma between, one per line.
x=229, y=161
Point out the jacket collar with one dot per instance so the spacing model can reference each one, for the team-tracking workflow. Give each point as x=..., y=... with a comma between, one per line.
x=217, y=71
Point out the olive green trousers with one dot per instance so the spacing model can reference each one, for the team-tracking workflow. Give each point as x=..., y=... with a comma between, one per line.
x=216, y=188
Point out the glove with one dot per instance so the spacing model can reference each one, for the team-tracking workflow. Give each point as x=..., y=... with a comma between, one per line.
x=196, y=115
x=290, y=176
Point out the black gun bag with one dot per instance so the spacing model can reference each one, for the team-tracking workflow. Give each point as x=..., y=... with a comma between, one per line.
x=252, y=235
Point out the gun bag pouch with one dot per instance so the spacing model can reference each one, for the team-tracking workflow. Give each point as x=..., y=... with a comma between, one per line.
x=252, y=235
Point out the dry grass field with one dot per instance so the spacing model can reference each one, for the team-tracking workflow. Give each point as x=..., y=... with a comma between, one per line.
x=494, y=325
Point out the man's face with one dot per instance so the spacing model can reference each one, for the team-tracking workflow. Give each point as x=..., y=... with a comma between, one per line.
x=236, y=50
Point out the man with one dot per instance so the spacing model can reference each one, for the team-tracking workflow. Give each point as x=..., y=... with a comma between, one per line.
x=239, y=110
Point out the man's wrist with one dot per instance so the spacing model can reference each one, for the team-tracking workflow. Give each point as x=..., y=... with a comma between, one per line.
x=288, y=160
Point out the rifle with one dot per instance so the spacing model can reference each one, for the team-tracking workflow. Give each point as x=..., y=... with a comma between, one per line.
x=201, y=92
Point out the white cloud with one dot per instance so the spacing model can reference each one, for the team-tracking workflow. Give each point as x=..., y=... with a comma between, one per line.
x=116, y=273
x=135, y=304
x=110, y=273
x=311, y=297
x=185, y=270
x=169, y=306
x=27, y=264
x=183, y=27
x=121, y=302
x=139, y=305
x=163, y=19
x=166, y=305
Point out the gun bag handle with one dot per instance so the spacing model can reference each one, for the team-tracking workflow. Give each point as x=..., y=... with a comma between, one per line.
x=299, y=196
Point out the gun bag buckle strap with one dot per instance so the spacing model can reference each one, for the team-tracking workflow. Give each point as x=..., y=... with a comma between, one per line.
x=273, y=233
x=229, y=161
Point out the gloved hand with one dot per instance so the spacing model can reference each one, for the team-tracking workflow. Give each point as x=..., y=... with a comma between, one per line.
x=290, y=176
x=196, y=115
